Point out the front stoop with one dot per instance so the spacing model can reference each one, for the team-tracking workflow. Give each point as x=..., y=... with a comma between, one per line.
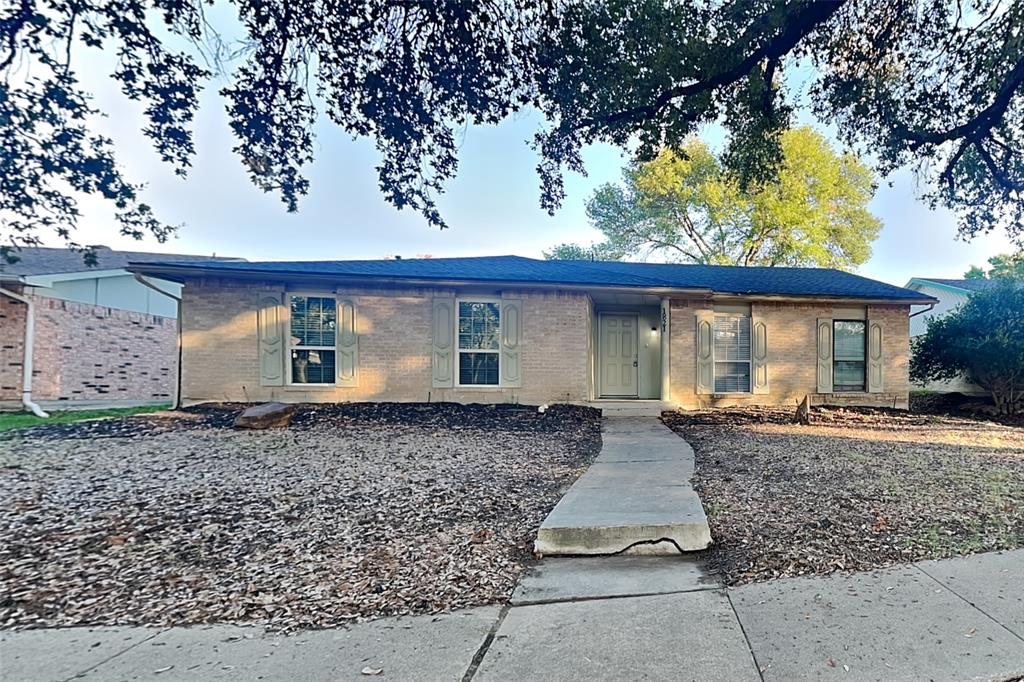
x=636, y=497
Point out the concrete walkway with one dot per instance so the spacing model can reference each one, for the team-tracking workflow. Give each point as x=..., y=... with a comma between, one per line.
x=606, y=618
x=637, y=496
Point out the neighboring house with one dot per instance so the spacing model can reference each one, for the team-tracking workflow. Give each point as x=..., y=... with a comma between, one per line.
x=512, y=329
x=950, y=294
x=99, y=334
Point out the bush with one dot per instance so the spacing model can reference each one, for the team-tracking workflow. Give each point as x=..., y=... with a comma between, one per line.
x=982, y=340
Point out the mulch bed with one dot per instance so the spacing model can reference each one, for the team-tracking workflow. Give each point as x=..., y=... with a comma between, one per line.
x=858, y=489
x=355, y=512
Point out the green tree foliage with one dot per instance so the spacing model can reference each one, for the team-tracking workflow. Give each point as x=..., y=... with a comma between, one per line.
x=982, y=340
x=686, y=206
x=936, y=85
x=1002, y=266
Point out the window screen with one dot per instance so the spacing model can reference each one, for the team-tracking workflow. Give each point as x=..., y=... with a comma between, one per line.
x=479, y=344
x=848, y=353
x=314, y=322
x=732, y=354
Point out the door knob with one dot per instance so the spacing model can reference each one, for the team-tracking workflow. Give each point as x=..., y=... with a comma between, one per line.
x=634, y=363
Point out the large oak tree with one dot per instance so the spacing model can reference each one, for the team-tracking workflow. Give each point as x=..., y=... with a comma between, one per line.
x=937, y=85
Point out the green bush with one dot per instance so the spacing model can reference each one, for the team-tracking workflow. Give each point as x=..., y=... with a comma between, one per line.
x=982, y=340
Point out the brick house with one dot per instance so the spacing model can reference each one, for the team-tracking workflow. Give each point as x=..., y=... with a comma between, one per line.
x=512, y=329
x=99, y=335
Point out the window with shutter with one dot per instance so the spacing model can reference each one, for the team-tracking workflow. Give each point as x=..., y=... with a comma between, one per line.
x=732, y=354
x=314, y=322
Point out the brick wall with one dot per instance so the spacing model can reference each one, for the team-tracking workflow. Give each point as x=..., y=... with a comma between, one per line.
x=221, y=354
x=792, y=361
x=88, y=352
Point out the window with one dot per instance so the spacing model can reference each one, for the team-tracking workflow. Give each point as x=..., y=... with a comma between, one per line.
x=314, y=321
x=479, y=345
x=848, y=351
x=732, y=354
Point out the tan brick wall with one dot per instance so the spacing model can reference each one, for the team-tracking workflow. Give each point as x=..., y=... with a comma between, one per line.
x=220, y=348
x=87, y=352
x=792, y=358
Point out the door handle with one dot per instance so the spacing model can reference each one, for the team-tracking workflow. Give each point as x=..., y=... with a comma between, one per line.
x=634, y=363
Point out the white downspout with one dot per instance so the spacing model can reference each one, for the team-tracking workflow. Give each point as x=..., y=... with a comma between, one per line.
x=176, y=402
x=26, y=363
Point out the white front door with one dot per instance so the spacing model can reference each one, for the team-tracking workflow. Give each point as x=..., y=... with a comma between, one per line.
x=617, y=355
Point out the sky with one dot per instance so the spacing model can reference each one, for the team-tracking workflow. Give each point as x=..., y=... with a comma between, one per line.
x=492, y=206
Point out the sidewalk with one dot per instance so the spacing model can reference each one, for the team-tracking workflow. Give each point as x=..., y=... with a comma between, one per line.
x=612, y=618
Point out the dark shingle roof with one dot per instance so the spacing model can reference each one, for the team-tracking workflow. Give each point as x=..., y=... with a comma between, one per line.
x=711, y=278
x=58, y=261
x=965, y=284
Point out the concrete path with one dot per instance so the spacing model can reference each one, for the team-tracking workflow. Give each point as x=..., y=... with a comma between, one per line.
x=637, y=496
x=606, y=618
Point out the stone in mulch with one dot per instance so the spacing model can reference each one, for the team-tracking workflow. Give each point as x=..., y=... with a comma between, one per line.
x=265, y=416
x=858, y=489
x=355, y=512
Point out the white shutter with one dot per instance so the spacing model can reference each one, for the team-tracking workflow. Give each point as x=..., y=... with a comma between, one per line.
x=511, y=339
x=824, y=342
x=443, y=346
x=705, y=352
x=875, y=361
x=347, y=343
x=271, y=333
x=758, y=355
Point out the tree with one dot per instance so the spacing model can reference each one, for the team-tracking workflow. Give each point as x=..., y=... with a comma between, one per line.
x=685, y=206
x=1002, y=266
x=982, y=340
x=578, y=252
x=932, y=86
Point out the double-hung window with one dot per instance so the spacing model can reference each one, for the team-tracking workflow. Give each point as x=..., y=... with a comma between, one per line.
x=849, y=343
x=479, y=326
x=732, y=354
x=314, y=322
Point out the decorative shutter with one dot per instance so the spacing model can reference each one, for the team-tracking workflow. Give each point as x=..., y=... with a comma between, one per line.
x=705, y=353
x=270, y=327
x=443, y=350
x=824, y=336
x=347, y=342
x=874, y=361
x=758, y=355
x=511, y=338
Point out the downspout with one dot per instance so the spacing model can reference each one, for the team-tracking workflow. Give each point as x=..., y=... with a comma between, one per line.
x=176, y=401
x=925, y=310
x=26, y=363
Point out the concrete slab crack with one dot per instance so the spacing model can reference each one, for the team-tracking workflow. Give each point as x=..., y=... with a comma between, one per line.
x=968, y=601
x=115, y=655
x=750, y=648
x=478, y=657
x=639, y=543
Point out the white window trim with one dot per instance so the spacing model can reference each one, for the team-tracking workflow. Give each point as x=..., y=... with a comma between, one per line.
x=459, y=351
x=291, y=346
x=714, y=360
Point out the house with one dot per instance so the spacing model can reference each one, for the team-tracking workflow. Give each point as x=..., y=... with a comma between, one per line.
x=513, y=329
x=950, y=294
x=99, y=335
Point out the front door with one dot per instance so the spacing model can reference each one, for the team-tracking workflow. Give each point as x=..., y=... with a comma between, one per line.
x=617, y=356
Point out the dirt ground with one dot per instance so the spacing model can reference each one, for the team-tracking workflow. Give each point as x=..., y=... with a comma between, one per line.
x=355, y=512
x=855, y=490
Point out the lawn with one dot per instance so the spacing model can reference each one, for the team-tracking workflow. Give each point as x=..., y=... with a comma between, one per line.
x=22, y=420
x=354, y=512
x=855, y=490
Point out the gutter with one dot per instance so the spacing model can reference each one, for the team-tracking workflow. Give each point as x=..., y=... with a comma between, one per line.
x=924, y=310
x=26, y=363
x=141, y=279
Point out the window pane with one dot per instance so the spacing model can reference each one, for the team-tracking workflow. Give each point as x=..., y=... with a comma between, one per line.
x=312, y=366
x=314, y=320
x=478, y=325
x=732, y=377
x=478, y=369
x=848, y=355
x=732, y=354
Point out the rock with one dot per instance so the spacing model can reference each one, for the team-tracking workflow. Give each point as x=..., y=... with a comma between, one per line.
x=265, y=416
x=803, y=411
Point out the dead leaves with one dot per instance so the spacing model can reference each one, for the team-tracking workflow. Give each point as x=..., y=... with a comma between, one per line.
x=348, y=515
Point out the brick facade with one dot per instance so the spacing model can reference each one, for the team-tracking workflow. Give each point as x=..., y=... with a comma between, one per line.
x=87, y=352
x=221, y=350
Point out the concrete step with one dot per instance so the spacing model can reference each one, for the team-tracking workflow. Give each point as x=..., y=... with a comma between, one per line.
x=637, y=497
x=631, y=408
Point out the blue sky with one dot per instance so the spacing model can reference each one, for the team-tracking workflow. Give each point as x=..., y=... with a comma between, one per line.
x=492, y=206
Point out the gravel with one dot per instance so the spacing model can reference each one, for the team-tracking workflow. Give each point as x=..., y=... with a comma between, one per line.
x=855, y=490
x=355, y=512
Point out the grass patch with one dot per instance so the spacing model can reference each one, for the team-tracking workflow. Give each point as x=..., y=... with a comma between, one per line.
x=23, y=420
